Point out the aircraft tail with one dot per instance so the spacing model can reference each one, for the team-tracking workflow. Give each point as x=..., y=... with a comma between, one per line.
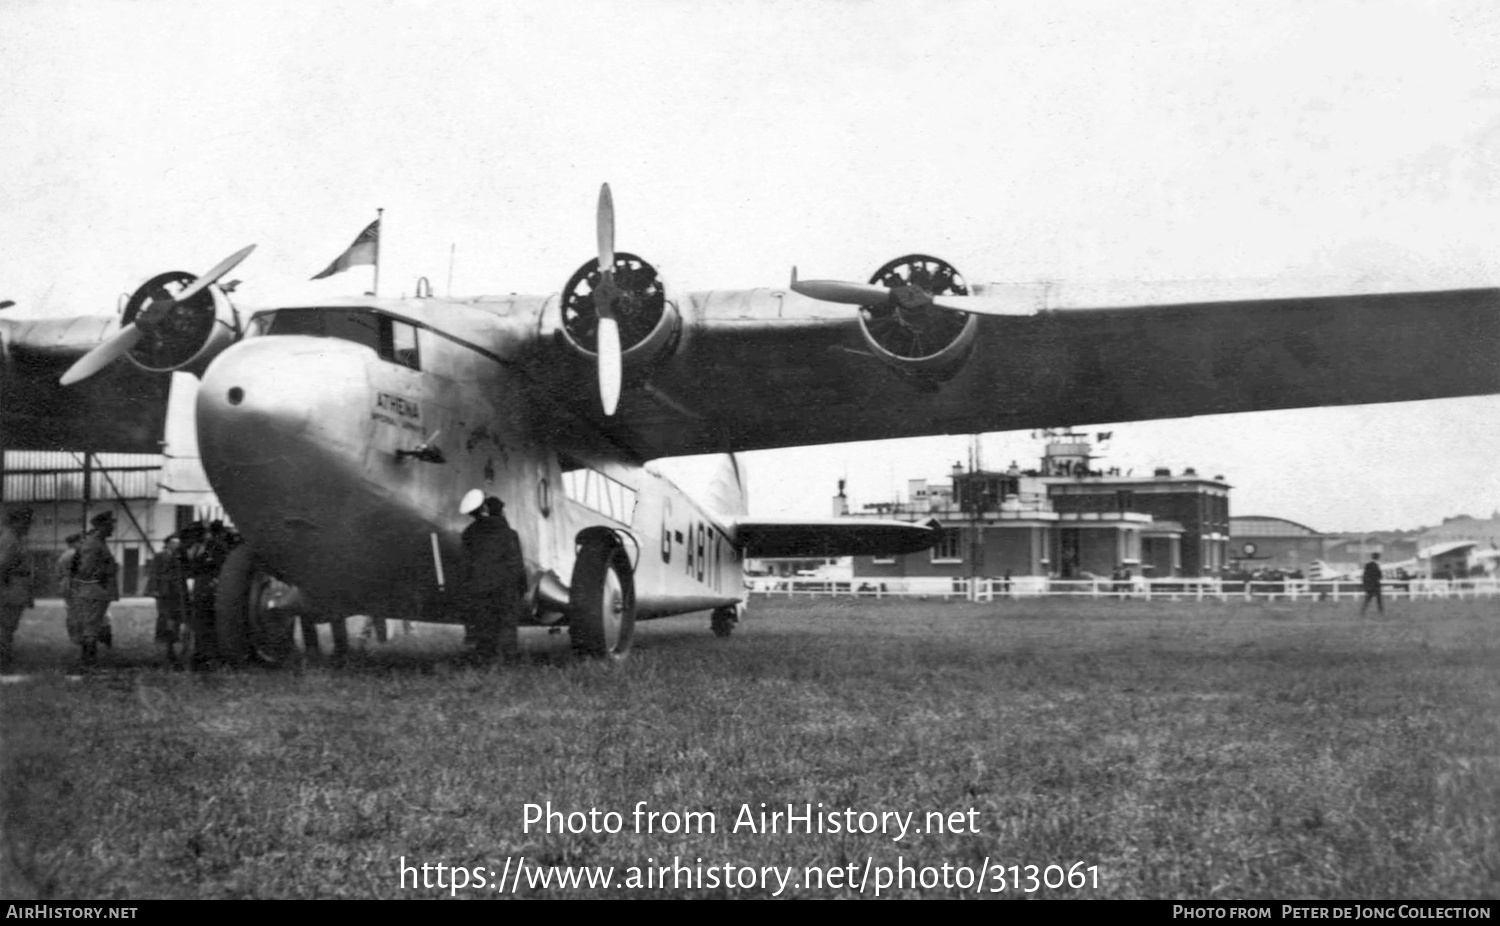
x=727, y=495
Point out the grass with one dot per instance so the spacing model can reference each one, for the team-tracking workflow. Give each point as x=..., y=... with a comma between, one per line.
x=1193, y=751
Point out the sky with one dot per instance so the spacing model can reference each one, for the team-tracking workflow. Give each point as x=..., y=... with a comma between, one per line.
x=1331, y=145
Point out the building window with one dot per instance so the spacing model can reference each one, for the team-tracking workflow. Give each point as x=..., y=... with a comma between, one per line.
x=883, y=560
x=948, y=548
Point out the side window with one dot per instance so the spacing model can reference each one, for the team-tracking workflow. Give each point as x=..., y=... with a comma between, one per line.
x=599, y=492
x=398, y=343
x=360, y=327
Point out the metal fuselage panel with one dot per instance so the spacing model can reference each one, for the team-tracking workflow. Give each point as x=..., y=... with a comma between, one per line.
x=301, y=438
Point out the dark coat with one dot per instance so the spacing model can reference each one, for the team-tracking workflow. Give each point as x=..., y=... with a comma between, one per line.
x=1372, y=577
x=168, y=577
x=492, y=558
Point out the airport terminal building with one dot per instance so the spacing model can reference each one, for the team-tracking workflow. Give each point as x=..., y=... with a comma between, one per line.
x=1063, y=519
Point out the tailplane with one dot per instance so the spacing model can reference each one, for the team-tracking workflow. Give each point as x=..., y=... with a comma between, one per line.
x=727, y=495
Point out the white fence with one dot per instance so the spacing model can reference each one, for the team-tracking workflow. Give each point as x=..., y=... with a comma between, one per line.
x=982, y=589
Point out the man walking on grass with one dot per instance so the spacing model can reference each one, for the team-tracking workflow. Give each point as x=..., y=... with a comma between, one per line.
x=1371, y=582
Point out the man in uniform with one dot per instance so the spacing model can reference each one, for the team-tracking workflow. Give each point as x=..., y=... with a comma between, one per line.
x=94, y=587
x=202, y=561
x=494, y=577
x=1371, y=582
x=168, y=585
x=15, y=579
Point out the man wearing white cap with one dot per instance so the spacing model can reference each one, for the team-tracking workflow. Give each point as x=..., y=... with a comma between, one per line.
x=495, y=577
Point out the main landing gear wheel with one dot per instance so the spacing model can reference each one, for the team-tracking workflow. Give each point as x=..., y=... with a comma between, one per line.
x=602, y=623
x=249, y=629
x=723, y=621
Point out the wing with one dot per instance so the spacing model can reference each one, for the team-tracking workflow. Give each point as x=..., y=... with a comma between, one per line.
x=121, y=410
x=769, y=368
x=832, y=536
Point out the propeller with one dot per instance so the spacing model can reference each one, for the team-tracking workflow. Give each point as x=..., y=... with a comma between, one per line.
x=147, y=321
x=605, y=295
x=1020, y=299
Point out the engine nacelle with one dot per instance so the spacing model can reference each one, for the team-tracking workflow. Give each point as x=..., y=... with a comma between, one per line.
x=925, y=344
x=650, y=324
x=179, y=335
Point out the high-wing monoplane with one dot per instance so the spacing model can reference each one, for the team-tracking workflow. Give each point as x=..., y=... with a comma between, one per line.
x=340, y=434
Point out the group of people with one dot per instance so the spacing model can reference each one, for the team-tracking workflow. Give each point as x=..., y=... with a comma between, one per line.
x=184, y=580
x=85, y=574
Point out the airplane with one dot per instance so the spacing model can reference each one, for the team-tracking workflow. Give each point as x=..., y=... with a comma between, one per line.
x=339, y=434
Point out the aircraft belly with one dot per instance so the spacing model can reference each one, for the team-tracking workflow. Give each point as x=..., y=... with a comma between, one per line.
x=665, y=606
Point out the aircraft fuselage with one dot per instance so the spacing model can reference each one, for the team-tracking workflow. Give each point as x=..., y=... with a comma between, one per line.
x=340, y=439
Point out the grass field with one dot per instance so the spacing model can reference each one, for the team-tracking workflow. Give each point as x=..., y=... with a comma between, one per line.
x=1188, y=751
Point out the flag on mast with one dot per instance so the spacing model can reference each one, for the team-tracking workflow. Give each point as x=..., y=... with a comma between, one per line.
x=364, y=250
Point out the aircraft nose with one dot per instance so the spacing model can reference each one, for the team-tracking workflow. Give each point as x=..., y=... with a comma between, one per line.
x=283, y=430
x=279, y=400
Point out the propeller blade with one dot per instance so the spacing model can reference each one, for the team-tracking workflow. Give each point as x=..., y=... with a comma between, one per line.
x=608, y=334
x=1015, y=300
x=102, y=356
x=212, y=276
x=1011, y=300
x=609, y=364
x=606, y=229
x=840, y=291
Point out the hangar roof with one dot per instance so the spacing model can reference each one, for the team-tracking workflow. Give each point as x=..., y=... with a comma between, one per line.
x=1256, y=525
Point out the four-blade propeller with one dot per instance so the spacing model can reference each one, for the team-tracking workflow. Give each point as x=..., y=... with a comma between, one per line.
x=145, y=322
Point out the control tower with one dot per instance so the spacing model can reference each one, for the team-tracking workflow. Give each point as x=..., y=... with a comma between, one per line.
x=1066, y=454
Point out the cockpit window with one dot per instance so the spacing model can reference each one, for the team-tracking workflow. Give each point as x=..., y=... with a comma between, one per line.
x=398, y=343
x=390, y=338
